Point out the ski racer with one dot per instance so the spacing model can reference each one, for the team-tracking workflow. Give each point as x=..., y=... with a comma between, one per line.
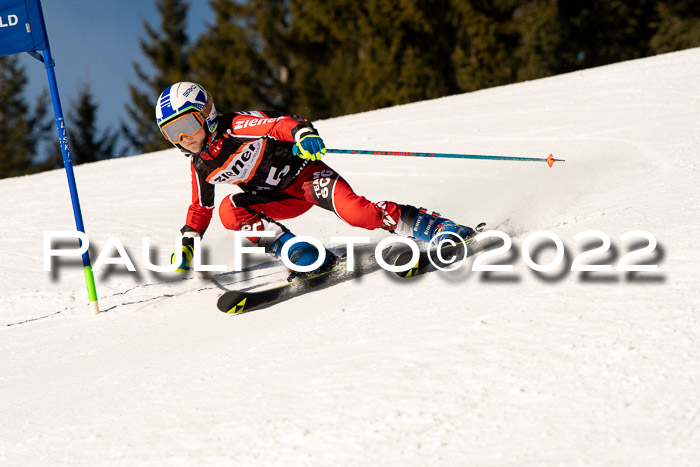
x=275, y=158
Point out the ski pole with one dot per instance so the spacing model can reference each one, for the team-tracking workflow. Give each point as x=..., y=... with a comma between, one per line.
x=549, y=160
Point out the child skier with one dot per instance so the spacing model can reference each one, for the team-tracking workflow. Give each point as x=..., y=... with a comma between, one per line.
x=275, y=159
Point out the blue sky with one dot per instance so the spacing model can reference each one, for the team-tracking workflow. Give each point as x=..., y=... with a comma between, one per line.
x=98, y=41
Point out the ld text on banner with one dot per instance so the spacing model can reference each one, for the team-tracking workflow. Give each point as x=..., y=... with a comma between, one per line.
x=21, y=27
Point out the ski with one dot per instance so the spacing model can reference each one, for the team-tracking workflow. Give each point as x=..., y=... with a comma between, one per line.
x=244, y=301
x=430, y=260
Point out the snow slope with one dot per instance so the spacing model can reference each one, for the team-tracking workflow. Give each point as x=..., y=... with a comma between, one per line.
x=460, y=368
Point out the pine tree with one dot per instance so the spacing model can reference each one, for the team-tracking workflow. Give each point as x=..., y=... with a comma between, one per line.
x=322, y=59
x=166, y=49
x=600, y=32
x=354, y=56
x=22, y=130
x=326, y=42
x=87, y=143
x=484, y=41
x=539, y=50
x=403, y=55
x=679, y=26
x=243, y=60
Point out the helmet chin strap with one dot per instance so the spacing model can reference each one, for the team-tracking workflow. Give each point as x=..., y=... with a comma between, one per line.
x=183, y=150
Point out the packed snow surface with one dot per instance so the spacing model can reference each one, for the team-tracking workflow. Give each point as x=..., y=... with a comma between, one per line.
x=458, y=368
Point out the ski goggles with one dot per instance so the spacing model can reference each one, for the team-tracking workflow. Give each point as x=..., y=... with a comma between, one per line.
x=185, y=125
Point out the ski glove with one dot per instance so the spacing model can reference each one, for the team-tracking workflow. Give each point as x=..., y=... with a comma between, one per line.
x=187, y=255
x=309, y=146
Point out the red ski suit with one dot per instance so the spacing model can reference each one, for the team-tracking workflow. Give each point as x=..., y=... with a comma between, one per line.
x=254, y=151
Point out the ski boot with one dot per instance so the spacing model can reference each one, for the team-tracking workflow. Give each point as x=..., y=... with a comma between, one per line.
x=418, y=224
x=302, y=254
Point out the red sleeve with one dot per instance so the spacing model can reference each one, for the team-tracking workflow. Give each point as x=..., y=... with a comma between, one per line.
x=276, y=125
x=200, y=211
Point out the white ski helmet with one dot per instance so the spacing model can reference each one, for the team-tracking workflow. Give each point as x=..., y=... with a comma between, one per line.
x=174, y=106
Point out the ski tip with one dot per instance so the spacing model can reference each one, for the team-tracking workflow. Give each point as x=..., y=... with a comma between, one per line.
x=238, y=307
x=403, y=260
x=231, y=303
